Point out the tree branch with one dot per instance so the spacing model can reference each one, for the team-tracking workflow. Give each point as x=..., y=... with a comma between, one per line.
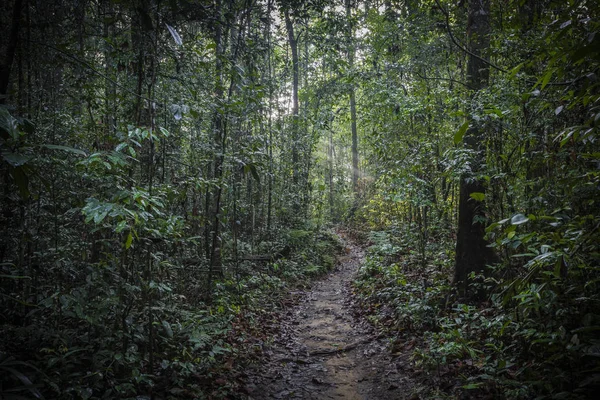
x=488, y=62
x=469, y=52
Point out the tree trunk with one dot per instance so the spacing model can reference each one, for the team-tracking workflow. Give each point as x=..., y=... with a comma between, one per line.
x=218, y=133
x=472, y=253
x=295, y=107
x=269, y=123
x=11, y=47
x=110, y=90
x=355, y=172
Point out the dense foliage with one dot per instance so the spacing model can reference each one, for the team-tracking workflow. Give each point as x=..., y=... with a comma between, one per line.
x=528, y=324
x=169, y=170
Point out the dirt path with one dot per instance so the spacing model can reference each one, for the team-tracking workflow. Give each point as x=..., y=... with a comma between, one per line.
x=324, y=352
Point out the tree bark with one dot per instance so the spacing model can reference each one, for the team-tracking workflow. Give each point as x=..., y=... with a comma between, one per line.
x=218, y=133
x=295, y=107
x=355, y=171
x=472, y=253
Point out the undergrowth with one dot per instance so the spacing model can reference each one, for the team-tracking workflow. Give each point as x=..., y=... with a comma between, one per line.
x=538, y=342
x=97, y=350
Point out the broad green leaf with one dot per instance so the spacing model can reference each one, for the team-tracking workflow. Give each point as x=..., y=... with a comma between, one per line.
x=458, y=137
x=99, y=217
x=518, y=219
x=477, y=196
x=15, y=159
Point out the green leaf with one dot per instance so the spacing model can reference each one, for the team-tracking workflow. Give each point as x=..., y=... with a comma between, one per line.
x=546, y=78
x=515, y=70
x=167, y=329
x=99, y=217
x=128, y=241
x=64, y=148
x=477, y=196
x=518, y=219
x=15, y=159
x=164, y=131
x=120, y=226
x=8, y=125
x=471, y=386
x=557, y=267
x=14, y=276
x=459, y=135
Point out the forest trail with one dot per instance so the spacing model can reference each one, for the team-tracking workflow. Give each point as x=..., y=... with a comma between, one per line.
x=324, y=350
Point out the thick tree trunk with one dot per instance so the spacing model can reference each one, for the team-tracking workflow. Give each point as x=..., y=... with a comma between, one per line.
x=472, y=253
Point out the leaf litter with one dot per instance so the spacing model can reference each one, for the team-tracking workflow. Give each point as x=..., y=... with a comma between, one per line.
x=324, y=347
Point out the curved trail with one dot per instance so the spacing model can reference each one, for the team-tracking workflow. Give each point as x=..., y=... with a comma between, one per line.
x=324, y=351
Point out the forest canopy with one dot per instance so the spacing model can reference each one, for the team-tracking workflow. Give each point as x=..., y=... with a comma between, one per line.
x=172, y=169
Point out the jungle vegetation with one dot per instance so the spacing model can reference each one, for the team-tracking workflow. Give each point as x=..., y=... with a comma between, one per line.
x=170, y=169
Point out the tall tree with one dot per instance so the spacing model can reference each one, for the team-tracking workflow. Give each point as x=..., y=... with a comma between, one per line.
x=351, y=56
x=218, y=127
x=472, y=251
x=293, y=42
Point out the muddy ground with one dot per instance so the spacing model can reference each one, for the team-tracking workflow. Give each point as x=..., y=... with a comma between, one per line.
x=325, y=350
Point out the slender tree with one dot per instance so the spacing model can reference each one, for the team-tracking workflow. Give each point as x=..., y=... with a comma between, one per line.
x=293, y=43
x=351, y=56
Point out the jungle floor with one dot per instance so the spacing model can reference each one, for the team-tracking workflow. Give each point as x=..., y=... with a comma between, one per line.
x=325, y=349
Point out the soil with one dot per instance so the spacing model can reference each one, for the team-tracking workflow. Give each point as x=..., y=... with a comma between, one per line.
x=324, y=349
